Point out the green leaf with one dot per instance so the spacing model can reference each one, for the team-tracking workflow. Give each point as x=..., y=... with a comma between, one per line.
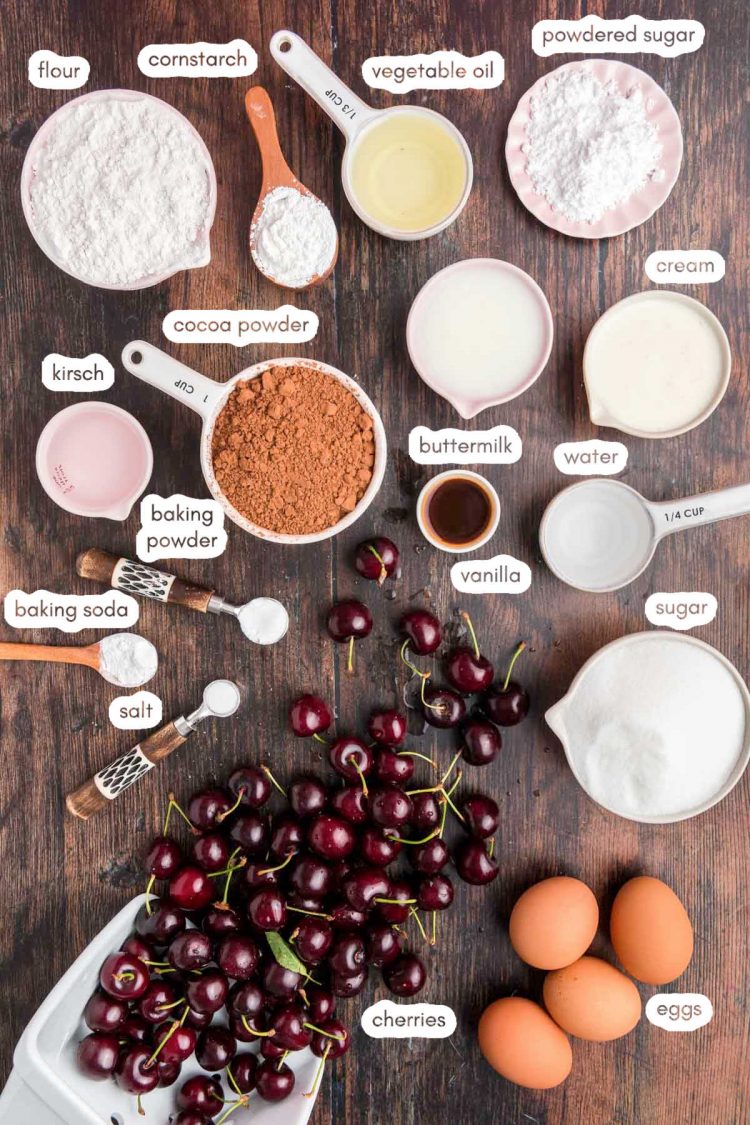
x=284, y=954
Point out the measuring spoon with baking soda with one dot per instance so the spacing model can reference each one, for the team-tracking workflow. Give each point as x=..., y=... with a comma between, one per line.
x=407, y=171
x=276, y=174
x=264, y=621
x=599, y=535
x=221, y=698
x=109, y=657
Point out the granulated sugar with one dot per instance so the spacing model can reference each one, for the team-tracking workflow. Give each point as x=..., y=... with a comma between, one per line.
x=294, y=238
x=120, y=191
x=589, y=147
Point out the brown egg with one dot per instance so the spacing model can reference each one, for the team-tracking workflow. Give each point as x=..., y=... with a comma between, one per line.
x=521, y=1042
x=592, y=1000
x=553, y=923
x=651, y=931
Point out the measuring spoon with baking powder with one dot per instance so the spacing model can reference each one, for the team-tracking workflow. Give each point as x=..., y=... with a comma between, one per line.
x=598, y=535
x=221, y=698
x=91, y=656
x=264, y=621
x=276, y=174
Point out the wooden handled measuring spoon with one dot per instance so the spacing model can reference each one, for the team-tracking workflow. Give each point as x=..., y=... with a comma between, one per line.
x=276, y=174
x=96, y=656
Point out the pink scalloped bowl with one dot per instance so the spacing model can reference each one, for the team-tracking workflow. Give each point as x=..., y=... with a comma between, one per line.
x=640, y=206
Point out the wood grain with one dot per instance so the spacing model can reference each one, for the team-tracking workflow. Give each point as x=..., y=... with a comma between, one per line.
x=62, y=879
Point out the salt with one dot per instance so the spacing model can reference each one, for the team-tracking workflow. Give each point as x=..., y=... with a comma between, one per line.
x=588, y=146
x=294, y=238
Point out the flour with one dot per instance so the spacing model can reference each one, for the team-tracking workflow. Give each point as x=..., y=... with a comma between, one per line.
x=655, y=727
x=588, y=146
x=294, y=238
x=120, y=191
x=127, y=660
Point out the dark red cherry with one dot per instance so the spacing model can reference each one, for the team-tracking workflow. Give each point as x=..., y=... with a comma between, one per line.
x=321, y=1004
x=310, y=877
x=506, y=706
x=389, y=807
x=434, y=892
x=474, y=864
x=309, y=715
x=377, y=848
x=287, y=835
x=480, y=742
x=396, y=913
x=312, y=939
x=429, y=858
x=274, y=1081
x=349, y=619
x=215, y=1049
x=364, y=885
x=156, y=1003
x=383, y=944
x=190, y=1117
x=423, y=631
x=307, y=796
x=211, y=852
x=97, y=1056
x=208, y=992
x=106, y=1013
x=260, y=873
x=266, y=909
x=345, y=918
x=254, y=784
x=388, y=728
x=443, y=708
x=169, y=1072
x=350, y=757
x=132, y=1074
x=201, y=1093
x=346, y=987
x=135, y=1028
x=270, y=1049
x=198, y=1020
x=123, y=976
x=392, y=768
x=174, y=1041
x=289, y=1025
x=481, y=814
x=190, y=888
x=332, y=1041
x=468, y=671
x=163, y=857
x=406, y=975
x=305, y=902
x=347, y=955
x=351, y=803
x=279, y=981
x=191, y=949
x=243, y=1069
x=377, y=559
x=205, y=806
x=161, y=925
x=138, y=946
x=246, y=998
x=330, y=836
x=250, y=831
x=219, y=921
x=238, y=957
x=425, y=812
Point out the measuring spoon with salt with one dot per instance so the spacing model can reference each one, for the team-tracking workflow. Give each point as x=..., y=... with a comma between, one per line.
x=264, y=621
x=279, y=178
x=598, y=535
x=123, y=659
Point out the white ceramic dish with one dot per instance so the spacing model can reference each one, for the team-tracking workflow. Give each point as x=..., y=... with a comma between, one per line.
x=46, y=1088
x=27, y=175
x=639, y=207
x=468, y=406
x=556, y=719
x=599, y=414
x=207, y=398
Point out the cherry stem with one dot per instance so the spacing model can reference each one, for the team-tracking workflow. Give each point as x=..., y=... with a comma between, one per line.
x=416, y=754
x=318, y=1074
x=303, y=994
x=460, y=815
x=424, y=840
x=124, y=976
x=282, y=1060
x=350, y=656
x=418, y=920
x=270, y=870
x=319, y=738
x=472, y=634
x=434, y=928
x=156, y=964
x=412, y=667
x=383, y=569
x=430, y=789
x=393, y=901
x=168, y=1007
x=491, y=849
x=363, y=783
x=222, y=816
x=273, y=780
x=149, y=887
x=311, y=913
x=232, y=1081
x=241, y=1102
x=229, y=869
x=516, y=655
x=173, y=804
x=328, y=1034
x=139, y=1106
x=253, y=1031
x=150, y=1062
x=430, y=706
x=443, y=817
x=450, y=769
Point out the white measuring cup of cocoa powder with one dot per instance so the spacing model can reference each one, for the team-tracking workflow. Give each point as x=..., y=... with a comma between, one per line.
x=357, y=120
x=207, y=397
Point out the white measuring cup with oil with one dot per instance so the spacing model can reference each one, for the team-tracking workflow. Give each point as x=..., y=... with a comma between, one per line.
x=598, y=535
x=407, y=171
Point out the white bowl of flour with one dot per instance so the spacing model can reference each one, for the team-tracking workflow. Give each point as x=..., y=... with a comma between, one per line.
x=119, y=190
x=655, y=727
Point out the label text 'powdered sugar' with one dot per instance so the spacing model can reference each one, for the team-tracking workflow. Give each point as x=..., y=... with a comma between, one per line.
x=592, y=35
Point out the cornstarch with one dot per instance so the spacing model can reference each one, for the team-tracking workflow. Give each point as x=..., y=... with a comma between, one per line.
x=294, y=238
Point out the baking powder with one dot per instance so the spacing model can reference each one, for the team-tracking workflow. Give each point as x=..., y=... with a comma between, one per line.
x=121, y=191
x=127, y=659
x=588, y=146
x=294, y=238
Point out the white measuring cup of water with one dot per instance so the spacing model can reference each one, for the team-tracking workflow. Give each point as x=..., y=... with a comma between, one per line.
x=599, y=535
x=356, y=120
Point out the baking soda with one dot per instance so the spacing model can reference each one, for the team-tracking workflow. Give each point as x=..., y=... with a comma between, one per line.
x=588, y=146
x=127, y=659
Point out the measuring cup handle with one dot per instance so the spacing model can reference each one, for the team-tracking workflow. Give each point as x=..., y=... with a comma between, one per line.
x=302, y=64
x=141, y=580
x=694, y=511
x=174, y=378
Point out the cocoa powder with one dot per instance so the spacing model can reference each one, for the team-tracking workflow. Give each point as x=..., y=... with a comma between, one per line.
x=293, y=451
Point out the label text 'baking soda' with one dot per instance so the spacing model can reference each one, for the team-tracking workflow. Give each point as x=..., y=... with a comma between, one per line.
x=681, y=610
x=498, y=446
x=500, y=575
x=48, y=71
x=198, y=60
x=70, y=613
x=285, y=325
x=65, y=373
x=139, y=711
x=592, y=35
x=590, y=458
x=679, y=1011
x=180, y=527
x=684, y=267
x=442, y=70
x=386, y=1020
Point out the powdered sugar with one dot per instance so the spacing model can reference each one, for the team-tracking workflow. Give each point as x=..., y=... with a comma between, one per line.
x=588, y=146
x=294, y=238
x=121, y=190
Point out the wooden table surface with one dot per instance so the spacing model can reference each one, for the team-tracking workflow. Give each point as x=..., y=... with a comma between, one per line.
x=62, y=880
